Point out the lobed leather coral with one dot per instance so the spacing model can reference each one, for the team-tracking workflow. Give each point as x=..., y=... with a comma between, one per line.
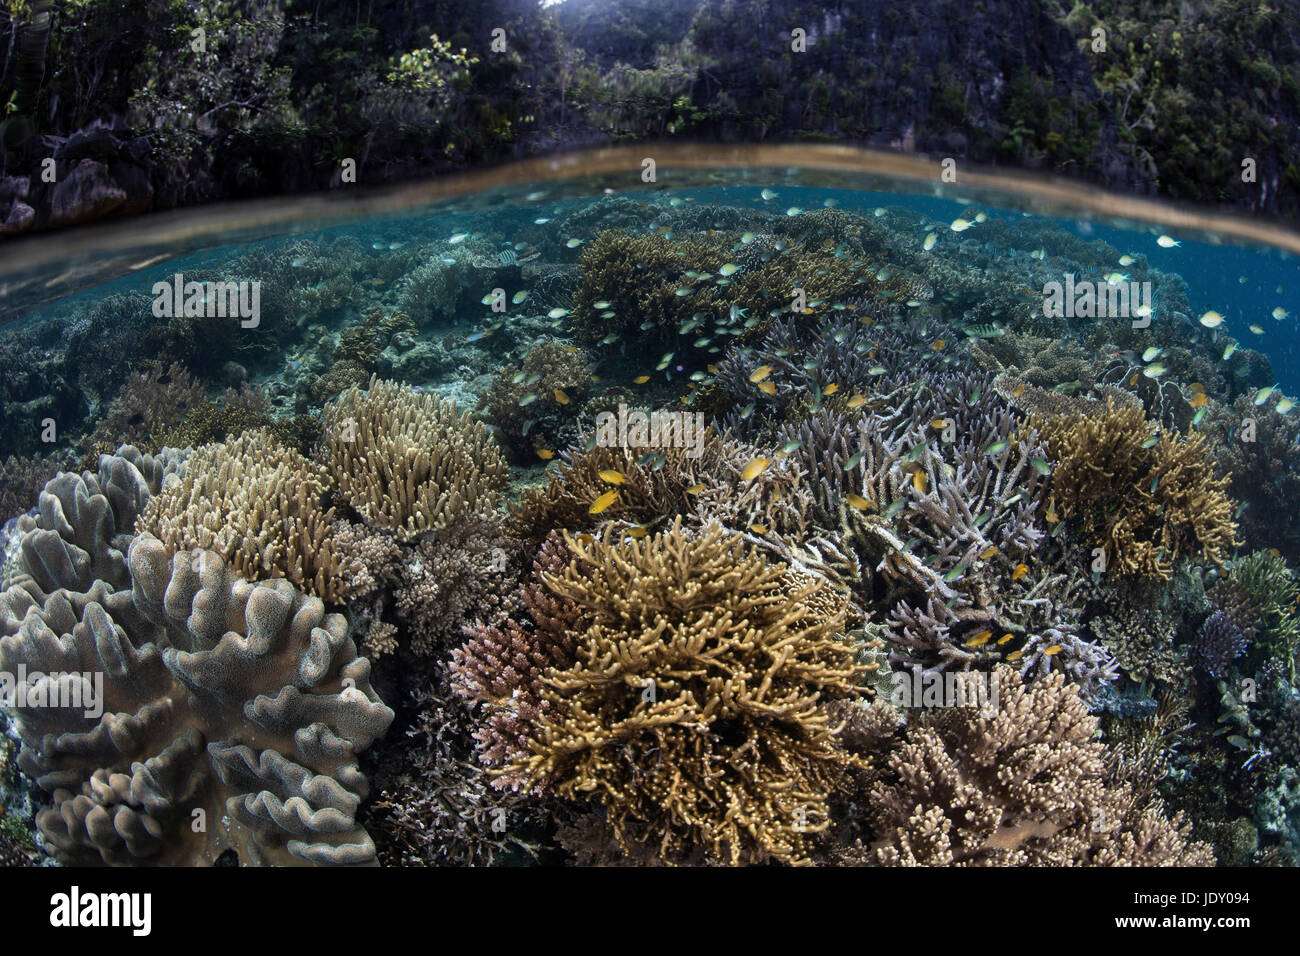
x=1025, y=785
x=232, y=712
x=1146, y=503
x=408, y=462
x=693, y=712
x=259, y=505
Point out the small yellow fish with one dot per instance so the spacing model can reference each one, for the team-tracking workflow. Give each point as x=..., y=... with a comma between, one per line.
x=641, y=379
x=755, y=468
x=1020, y=571
x=613, y=477
x=981, y=638
x=1133, y=379
x=1004, y=638
x=939, y=424
x=857, y=401
x=988, y=552
x=758, y=528
x=1018, y=391
x=545, y=454
x=561, y=397
x=603, y=502
x=830, y=389
x=767, y=388
x=637, y=531
x=694, y=489
x=584, y=538
x=760, y=373
x=919, y=481
x=1052, y=651
x=1015, y=655
x=1198, y=400
x=857, y=501
x=939, y=345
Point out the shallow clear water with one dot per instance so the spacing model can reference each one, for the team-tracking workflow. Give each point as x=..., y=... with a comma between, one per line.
x=887, y=403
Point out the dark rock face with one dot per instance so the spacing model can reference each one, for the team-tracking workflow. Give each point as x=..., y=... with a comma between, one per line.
x=88, y=193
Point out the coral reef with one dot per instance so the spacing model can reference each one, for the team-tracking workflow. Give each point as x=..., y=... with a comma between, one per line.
x=259, y=505
x=1218, y=643
x=1023, y=786
x=232, y=713
x=409, y=462
x=500, y=668
x=528, y=404
x=441, y=809
x=692, y=711
x=1145, y=496
x=152, y=398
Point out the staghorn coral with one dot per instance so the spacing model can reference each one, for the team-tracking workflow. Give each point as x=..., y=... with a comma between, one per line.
x=408, y=462
x=1147, y=497
x=692, y=713
x=232, y=713
x=260, y=506
x=1025, y=785
x=501, y=667
x=932, y=494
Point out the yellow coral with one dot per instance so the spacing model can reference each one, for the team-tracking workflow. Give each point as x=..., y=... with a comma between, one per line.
x=694, y=711
x=1145, y=495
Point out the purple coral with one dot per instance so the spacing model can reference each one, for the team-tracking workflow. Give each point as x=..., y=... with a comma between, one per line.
x=1218, y=643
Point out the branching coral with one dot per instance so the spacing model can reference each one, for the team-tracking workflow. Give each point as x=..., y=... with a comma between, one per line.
x=501, y=667
x=440, y=809
x=409, y=462
x=1256, y=444
x=694, y=707
x=702, y=483
x=451, y=574
x=649, y=291
x=1025, y=785
x=358, y=351
x=232, y=714
x=260, y=505
x=152, y=398
x=933, y=495
x=1146, y=496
